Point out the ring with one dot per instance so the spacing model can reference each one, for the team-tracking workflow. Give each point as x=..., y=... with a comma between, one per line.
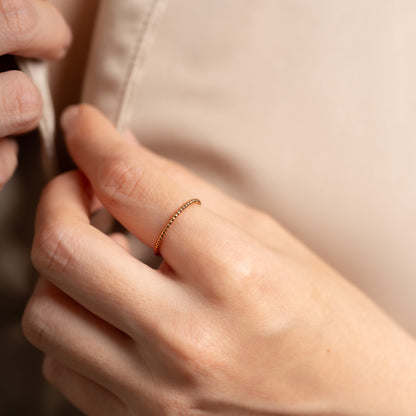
x=156, y=247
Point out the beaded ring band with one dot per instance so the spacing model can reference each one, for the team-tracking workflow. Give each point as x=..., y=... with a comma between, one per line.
x=156, y=248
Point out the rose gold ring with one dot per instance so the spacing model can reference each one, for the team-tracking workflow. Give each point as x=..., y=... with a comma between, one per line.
x=158, y=242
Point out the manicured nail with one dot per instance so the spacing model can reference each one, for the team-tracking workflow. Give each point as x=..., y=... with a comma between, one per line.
x=69, y=116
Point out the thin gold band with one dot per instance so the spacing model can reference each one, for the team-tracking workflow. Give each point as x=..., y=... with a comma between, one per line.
x=156, y=248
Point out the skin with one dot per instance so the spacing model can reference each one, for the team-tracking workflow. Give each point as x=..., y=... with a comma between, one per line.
x=32, y=29
x=240, y=318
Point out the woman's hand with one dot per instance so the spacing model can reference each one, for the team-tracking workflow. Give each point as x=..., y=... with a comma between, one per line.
x=32, y=29
x=240, y=318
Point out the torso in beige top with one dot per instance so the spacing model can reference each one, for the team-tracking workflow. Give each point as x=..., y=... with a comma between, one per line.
x=304, y=109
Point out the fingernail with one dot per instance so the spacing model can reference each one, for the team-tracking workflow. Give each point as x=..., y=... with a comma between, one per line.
x=68, y=117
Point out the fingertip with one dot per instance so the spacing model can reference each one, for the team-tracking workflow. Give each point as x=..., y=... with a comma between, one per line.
x=87, y=131
x=84, y=115
x=63, y=41
x=70, y=194
x=69, y=116
x=54, y=37
x=68, y=38
x=67, y=43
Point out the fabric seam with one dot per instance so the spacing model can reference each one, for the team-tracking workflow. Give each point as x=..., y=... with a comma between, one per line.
x=124, y=96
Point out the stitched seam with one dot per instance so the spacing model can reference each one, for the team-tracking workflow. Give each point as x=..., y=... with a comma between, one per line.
x=132, y=64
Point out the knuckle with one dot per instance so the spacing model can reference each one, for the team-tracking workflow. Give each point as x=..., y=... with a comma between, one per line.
x=20, y=20
x=242, y=280
x=35, y=322
x=22, y=102
x=54, y=247
x=246, y=268
x=120, y=179
x=241, y=271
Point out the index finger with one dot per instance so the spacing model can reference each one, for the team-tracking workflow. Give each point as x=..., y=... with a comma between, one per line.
x=33, y=29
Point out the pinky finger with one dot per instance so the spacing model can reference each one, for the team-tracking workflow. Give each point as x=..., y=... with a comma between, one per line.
x=8, y=160
x=84, y=394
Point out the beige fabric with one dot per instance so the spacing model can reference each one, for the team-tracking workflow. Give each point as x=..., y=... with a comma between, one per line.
x=304, y=109
x=39, y=73
x=122, y=37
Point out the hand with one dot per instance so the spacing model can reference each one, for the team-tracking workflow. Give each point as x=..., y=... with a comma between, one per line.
x=240, y=318
x=33, y=29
